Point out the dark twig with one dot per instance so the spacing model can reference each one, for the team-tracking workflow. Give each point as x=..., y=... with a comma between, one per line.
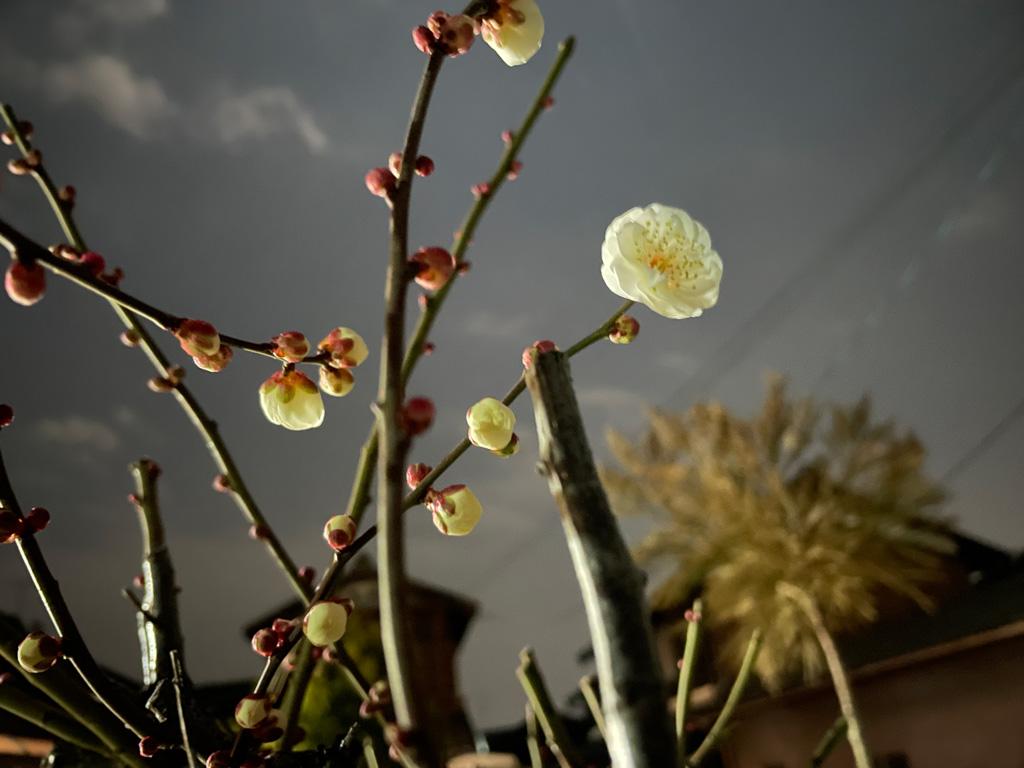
x=632, y=692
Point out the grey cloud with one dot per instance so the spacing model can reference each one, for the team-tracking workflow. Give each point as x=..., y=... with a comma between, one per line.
x=77, y=432
x=264, y=112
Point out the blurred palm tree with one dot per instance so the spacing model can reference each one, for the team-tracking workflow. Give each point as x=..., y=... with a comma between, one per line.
x=791, y=527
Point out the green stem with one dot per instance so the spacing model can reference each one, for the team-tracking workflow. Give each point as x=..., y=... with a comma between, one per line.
x=828, y=742
x=693, y=632
x=50, y=718
x=735, y=694
x=594, y=705
x=555, y=732
x=533, y=738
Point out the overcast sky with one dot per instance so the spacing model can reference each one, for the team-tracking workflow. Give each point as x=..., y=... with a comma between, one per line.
x=859, y=167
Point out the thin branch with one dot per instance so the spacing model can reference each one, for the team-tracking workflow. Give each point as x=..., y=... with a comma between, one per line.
x=717, y=731
x=686, y=667
x=594, y=704
x=632, y=691
x=551, y=722
x=828, y=742
x=50, y=718
x=181, y=693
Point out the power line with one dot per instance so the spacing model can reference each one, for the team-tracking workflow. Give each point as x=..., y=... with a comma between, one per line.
x=759, y=326
x=986, y=442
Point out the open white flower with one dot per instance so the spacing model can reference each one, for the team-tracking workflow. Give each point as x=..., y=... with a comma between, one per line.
x=514, y=30
x=661, y=257
x=291, y=399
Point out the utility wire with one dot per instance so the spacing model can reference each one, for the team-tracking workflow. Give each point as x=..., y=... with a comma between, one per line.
x=987, y=441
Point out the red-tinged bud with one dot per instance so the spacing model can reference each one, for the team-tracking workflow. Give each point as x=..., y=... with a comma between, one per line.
x=427, y=348
x=34, y=158
x=26, y=128
x=198, y=337
x=395, y=164
x=149, y=746
x=508, y=136
x=291, y=346
x=346, y=348
x=284, y=627
x=336, y=382
x=130, y=338
x=416, y=416
x=114, y=277
x=252, y=710
x=340, y=531
x=134, y=498
x=6, y=415
x=215, y=363
x=259, y=532
x=325, y=621
x=222, y=484
x=625, y=330
x=94, y=263
x=509, y=450
x=692, y=616
x=368, y=709
x=549, y=102
x=38, y=652
x=380, y=692
x=541, y=347
x=424, y=166
x=19, y=166
x=456, y=34
x=463, y=267
x=423, y=301
x=436, y=20
x=456, y=510
x=6, y=677
x=380, y=181
x=151, y=468
x=307, y=573
x=480, y=190
x=160, y=384
x=67, y=195
x=175, y=374
x=265, y=642
x=139, y=581
x=7, y=138
x=436, y=267
x=37, y=518
x=424, y=39
x=11, y=526
x=25, y=284
x=219, y=759
x=415, y=474
x=514, y=169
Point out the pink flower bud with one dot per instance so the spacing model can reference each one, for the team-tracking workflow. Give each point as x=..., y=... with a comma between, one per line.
x=25, y=284
x=6, y=677
x=395, y=164
x=456, y=34
x=65, y=251
x=252, y=710
x=508, y=136
x=114, y=277
x=692, y=616
x=427, y=348
x=509, y=450
x=625, y=330
x=436, y=266
x=259, y=532
x=11, y=526
x=423, y=38
x=148, y=746
x=198, y=337
x=415, y=473
x=336, y=382
x=6, y=415
x=456, y=510
x=139, y=580
x=219, y=759
x=416, y=415
x=541, y=347
x=222, y=484
x=436, y=21
x=37, y=518
x=19, y=166
x=380, y=181
x=368, y=709
x=423, y=301
x=284, y=627
x=265, y=642
x=340, y=531
x=175, y=374
x=291, y=400
x=325, y=621
x=7, y=138
x=151, y=468
x=549, y=102
x=130, y=338
x=480, y=190
x=514, y=169
x=94, y=263
x=291, y=346
x=424, y=166
x=346, y=348
x=38, y=652
x=67, y=195
x=34, y=158
x=160, y=384
x=215, y=363
x=307, y=573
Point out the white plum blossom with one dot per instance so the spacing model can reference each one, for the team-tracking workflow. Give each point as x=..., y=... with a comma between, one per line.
x=291, y=399
x=661, y=257
x=490, y=424
x=514, y=30
x=456, y=510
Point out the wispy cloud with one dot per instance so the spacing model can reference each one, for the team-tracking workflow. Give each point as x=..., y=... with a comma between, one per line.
x=77, y=432
x=265, y=112
x=134, y=103
x=489, y=325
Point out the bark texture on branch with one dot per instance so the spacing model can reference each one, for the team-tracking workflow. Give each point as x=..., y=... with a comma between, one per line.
x=632, y=689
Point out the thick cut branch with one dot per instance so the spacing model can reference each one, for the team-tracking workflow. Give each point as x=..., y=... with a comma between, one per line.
x=632, y=690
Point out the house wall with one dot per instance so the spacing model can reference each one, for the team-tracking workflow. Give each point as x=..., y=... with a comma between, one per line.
x=965, y=710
